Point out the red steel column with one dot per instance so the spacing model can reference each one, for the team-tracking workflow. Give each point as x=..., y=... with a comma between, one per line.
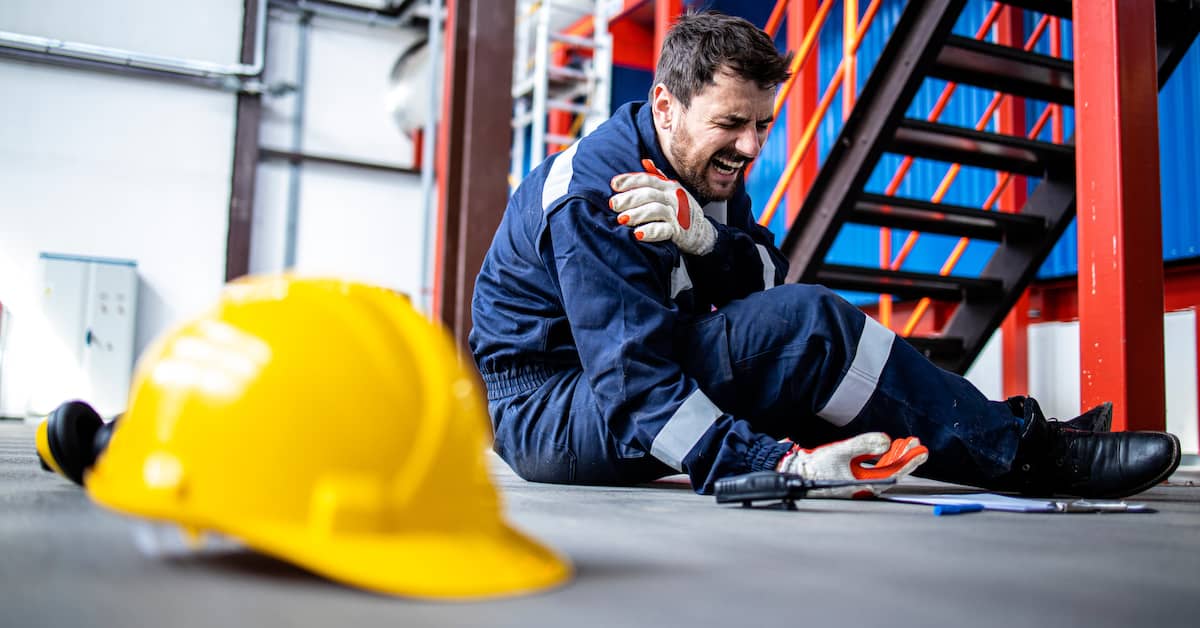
x=665, y=12
x=1119, y=212
x=801, y=103
x=475, y=128
x=1010, y=31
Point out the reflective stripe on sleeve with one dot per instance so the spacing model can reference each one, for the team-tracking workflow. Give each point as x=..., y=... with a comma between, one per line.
x=860, y=381
x=768, y=267
x=684, y=429
x=559, y=179
x=680, y=279
x=718, y=211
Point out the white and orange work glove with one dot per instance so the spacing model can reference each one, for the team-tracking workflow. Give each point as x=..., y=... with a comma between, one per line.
x=660, y=209
x=870, y=456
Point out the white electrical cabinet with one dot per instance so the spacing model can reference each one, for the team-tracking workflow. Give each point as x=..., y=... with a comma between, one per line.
x=4, y=325
x=90, y=307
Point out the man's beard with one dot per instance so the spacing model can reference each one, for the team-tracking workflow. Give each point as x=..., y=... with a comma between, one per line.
x=692, y=169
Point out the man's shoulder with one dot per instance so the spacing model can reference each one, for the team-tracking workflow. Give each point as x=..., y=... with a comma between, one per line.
x=585, y=169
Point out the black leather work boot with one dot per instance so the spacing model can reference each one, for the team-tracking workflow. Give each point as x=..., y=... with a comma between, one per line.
x=1098, y=419
x=1054, y=458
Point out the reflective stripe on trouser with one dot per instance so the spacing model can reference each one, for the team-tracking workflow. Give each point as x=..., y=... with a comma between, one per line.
x=795, y=362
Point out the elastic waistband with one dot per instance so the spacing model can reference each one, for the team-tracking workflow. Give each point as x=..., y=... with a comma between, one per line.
x=516, y=380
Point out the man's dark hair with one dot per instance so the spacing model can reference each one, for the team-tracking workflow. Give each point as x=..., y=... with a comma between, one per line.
x=700, y=44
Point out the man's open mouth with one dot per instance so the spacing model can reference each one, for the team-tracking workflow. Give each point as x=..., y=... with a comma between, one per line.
x=728, y=165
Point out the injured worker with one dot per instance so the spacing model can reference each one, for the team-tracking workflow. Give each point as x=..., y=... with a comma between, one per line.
x=631, y=322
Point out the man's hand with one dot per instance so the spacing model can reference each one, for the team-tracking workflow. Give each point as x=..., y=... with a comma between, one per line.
x=848, y=460
x=660, y=209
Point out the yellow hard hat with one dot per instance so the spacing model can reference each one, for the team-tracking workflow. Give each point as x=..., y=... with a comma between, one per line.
x=329, y=424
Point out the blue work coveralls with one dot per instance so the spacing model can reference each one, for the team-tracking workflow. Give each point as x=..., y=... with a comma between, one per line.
x=613, y=361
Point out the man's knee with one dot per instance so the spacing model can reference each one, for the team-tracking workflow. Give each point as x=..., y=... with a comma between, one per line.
x=804, y=304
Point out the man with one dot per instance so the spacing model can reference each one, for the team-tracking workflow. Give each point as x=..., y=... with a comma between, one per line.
x=630, y=322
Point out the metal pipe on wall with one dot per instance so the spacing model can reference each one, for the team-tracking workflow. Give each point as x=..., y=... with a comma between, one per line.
x=358, y=16
x=294, y=168
x=428, y=159
x=235, y=75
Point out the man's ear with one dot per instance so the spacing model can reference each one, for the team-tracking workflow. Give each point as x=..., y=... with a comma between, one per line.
x=663, y=104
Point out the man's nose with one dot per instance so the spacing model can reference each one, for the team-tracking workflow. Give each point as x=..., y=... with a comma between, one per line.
x=748, y=142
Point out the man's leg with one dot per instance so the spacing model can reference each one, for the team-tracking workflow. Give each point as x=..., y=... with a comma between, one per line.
x=804, y=363
x=553, y=432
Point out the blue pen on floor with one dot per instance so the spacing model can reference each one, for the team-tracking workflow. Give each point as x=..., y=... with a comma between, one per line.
x=955, y=509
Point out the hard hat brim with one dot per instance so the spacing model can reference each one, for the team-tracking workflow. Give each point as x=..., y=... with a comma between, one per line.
x=476, y=561
x=458, y=565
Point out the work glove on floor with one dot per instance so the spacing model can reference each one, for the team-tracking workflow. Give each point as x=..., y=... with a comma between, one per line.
x=870, y=456
x=660, y=209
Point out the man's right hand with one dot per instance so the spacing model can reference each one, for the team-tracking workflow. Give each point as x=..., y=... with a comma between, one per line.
x=849, y=460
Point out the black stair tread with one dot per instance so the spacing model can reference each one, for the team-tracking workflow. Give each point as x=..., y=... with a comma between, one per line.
x=917, y=215
x=1056, y=8
x=908, y=284
x=969, y=147
x=1005, y=69
x=937, y=348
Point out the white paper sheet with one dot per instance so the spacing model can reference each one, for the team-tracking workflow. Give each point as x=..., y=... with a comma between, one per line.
x=992, y=501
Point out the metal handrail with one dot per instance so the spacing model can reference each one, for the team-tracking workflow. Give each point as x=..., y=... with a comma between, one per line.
x=807, y=45
x=776, y=18
x=810, y=130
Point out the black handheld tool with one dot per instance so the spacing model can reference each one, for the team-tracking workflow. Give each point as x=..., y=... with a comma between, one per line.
x=773, y=485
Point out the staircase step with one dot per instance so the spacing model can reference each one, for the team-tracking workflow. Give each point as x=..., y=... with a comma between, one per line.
x=940, y=349
x=955, y=220
x=908, y=285
x=1056, y=8
x=1005, y=69
x=969, y=147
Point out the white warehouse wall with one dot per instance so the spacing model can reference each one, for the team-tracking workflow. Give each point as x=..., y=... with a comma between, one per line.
x=1054, y=372
x=108, y=165
x=352, y=222
x=104, y=165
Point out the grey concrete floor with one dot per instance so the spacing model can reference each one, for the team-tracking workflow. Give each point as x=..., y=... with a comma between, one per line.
x=647, y=556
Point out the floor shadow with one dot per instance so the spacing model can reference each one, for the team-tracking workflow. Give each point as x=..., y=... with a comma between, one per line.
x=248, y=562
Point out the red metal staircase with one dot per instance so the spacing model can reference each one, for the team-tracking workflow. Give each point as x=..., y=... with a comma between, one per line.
x=922, y=46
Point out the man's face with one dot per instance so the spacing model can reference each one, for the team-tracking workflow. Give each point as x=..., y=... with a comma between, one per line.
x=712, y=141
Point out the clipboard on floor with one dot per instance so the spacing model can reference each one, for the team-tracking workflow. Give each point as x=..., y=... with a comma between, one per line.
x=1006, y=503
